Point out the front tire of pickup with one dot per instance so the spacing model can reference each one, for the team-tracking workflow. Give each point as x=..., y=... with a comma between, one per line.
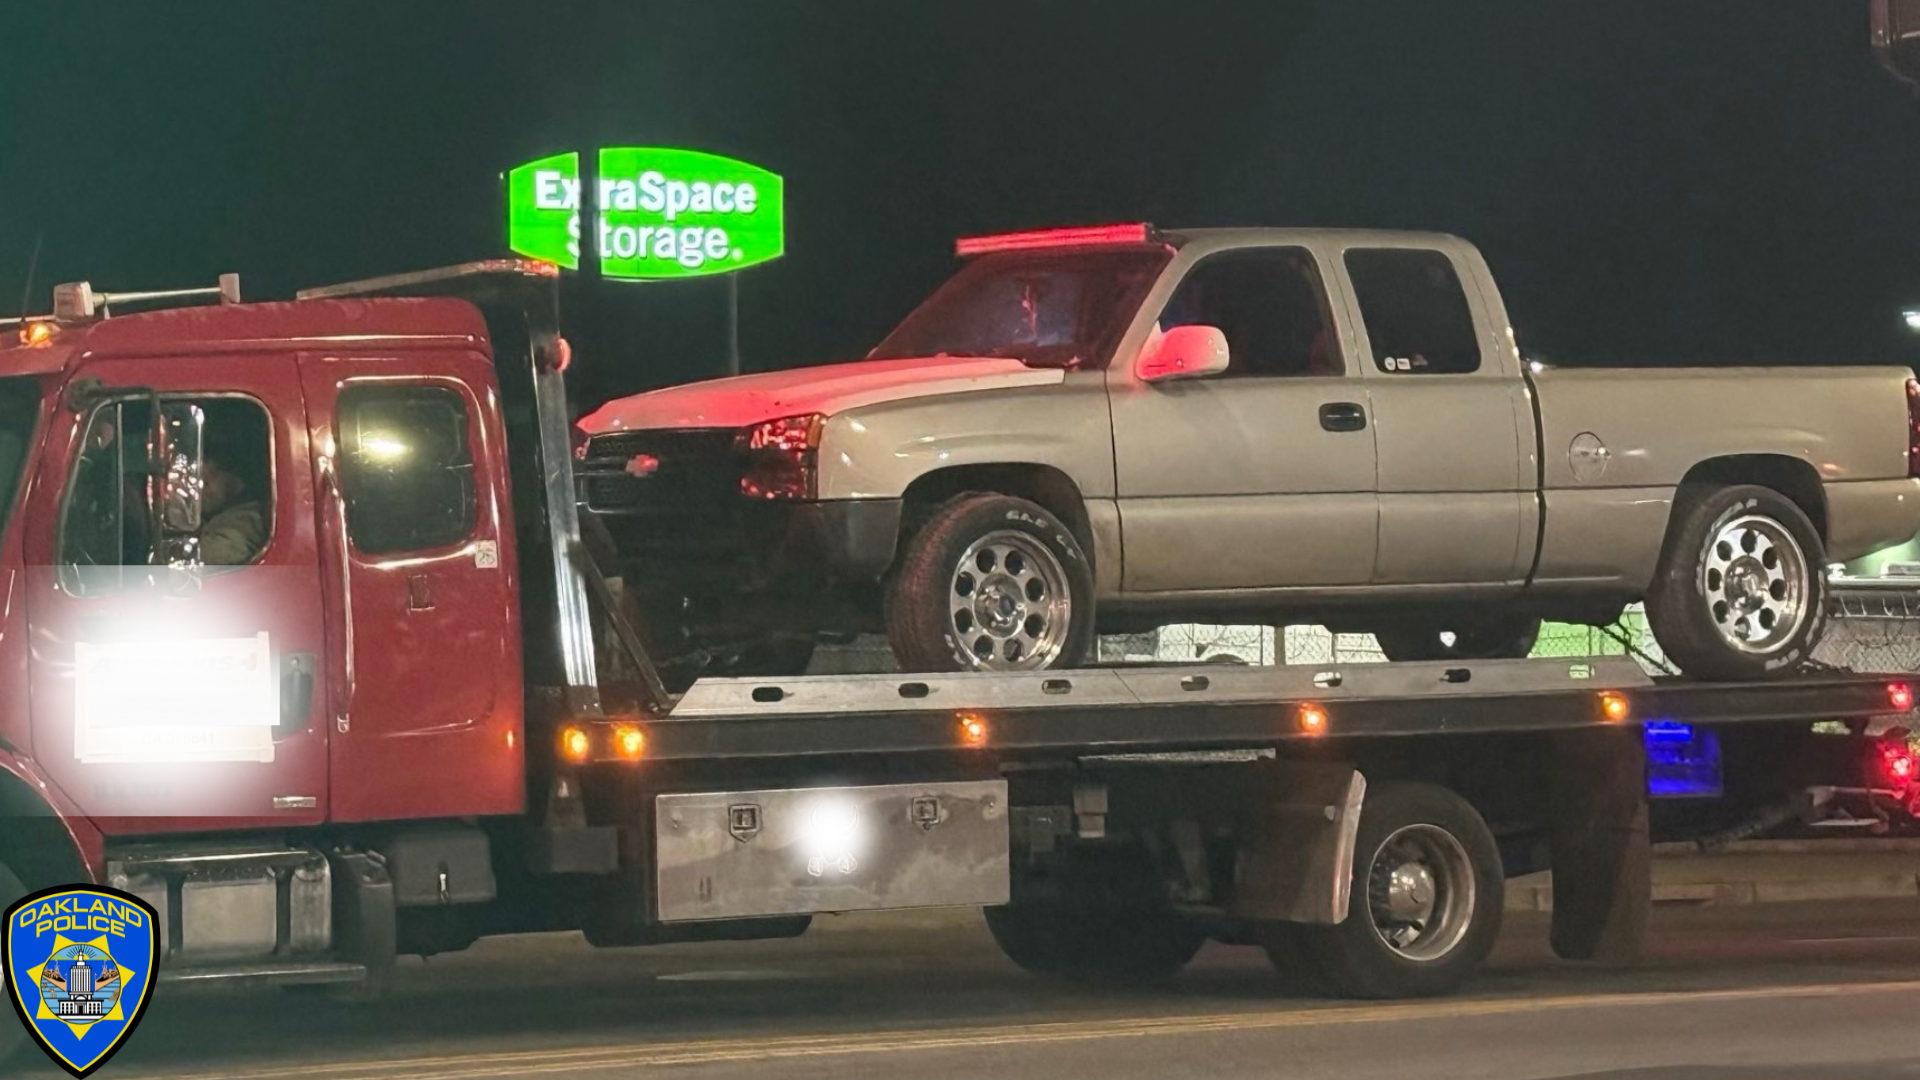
x=991, y=583
x=1741, y=591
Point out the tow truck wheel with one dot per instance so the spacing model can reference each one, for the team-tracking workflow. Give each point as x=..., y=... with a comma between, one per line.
x=991, y=583
x=1741, y=592
x=1137, y=945
x=1510, y=638
x=1427, y=897
x=13, y=1036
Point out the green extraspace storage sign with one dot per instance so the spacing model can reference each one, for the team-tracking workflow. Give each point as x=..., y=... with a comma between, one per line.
x=661, y=213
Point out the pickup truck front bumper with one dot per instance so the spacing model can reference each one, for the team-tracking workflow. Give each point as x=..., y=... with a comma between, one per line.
x=708, y=533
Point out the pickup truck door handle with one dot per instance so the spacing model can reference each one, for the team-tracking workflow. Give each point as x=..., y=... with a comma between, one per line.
x=1343, y=416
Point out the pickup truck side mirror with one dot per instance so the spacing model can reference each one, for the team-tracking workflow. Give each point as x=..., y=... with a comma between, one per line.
x=1184, y=352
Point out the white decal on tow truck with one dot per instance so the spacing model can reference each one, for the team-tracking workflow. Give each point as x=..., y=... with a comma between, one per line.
x=193, y=700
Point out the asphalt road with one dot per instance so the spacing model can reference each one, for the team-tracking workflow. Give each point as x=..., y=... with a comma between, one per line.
x=1756, y=993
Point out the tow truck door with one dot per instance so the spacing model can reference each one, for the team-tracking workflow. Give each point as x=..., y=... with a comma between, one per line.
x=417, y=537
x=161, y=698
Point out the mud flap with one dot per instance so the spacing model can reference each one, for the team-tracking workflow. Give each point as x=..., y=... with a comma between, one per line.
x=1298, y=822
x=1602, y=851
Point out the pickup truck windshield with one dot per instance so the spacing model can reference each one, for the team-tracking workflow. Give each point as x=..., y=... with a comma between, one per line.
x=1048, y=309
x=19, y=411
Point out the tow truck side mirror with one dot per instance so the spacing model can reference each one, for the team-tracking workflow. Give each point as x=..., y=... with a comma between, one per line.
x=1184, y=352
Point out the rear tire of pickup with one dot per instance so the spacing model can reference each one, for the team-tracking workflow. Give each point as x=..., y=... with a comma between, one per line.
x=991, y=583
x=13, y=1038
x=1428, y=894
x=1498, y=638
x=1741, y=590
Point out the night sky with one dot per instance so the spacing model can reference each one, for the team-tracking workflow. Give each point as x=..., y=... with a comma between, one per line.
x=1654, y=182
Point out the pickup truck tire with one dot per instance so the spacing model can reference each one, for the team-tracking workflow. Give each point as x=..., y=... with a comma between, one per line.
x=1509, y=638
x=13, y=1036
x=1741, y=589
x=1428, y=893
x=994, y=583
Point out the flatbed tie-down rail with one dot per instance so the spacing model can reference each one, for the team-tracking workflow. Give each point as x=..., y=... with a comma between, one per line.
x=1184, y=708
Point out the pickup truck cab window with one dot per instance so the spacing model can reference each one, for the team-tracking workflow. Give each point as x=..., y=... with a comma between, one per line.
x=1416, y=313
x=407, y=468
x=1272, y=306
x=1045, y=308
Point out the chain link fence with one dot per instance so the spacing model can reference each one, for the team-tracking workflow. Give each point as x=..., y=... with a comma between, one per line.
x=1869, y=644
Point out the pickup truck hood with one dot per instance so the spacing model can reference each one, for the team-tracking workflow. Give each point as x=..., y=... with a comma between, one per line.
x=752, y=399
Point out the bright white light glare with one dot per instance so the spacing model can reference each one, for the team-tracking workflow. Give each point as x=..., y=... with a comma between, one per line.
x=178, y=700
x=383, y=449
x=832, y=837
x=1912, y=316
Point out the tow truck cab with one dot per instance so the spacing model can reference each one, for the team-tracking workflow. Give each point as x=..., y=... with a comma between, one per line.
x=349, y=678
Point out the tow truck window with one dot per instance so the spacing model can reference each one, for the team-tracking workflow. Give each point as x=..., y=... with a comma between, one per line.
x=1272, y=307
x=406, y=469
x=1415, y=310
x=221, y=449
x=19, y=413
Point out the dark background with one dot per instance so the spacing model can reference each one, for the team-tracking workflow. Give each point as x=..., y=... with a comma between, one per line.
x=1654, y=182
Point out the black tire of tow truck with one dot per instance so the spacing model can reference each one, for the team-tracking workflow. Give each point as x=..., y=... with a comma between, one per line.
x=1297, y=968
x=1354, y=957
x=1140, y=946
x=918, y=618
x=13, y=1034
x=1677, y=608
x=1498, y=638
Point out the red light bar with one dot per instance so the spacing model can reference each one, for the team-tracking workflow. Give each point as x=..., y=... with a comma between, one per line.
x=1051, y=238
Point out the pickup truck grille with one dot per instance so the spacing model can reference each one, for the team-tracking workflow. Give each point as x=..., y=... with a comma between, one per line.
x=699, y=472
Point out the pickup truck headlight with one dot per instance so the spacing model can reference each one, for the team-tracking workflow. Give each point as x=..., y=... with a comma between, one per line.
x=781, y=457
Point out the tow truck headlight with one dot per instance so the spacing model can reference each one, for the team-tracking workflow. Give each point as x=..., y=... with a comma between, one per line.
x=782, y=457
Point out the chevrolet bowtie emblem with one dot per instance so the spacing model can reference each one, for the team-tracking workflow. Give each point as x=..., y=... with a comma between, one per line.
x=641, y=466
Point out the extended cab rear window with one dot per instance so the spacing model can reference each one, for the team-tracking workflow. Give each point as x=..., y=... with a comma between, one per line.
x=1417, y=315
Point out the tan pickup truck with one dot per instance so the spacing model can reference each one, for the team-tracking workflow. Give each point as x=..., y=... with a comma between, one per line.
x=1101, y=430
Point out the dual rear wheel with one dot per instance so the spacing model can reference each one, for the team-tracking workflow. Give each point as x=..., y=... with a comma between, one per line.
x=1425, y=906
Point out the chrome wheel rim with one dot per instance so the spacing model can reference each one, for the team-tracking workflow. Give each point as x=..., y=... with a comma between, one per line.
x=1420, y=893
x=1008, y=603
x=1753, y=576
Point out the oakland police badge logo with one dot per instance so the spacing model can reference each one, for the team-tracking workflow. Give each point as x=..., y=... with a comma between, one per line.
x=79, y=964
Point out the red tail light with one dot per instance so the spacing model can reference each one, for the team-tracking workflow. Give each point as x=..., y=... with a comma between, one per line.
x=1899, y=768
x=781, y=457
x=1900, y=696
x=1913, y=427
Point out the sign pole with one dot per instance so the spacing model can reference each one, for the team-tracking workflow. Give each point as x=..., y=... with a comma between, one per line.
x=733, y=324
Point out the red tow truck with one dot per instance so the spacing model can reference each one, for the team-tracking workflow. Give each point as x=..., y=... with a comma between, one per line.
x=410, y=712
